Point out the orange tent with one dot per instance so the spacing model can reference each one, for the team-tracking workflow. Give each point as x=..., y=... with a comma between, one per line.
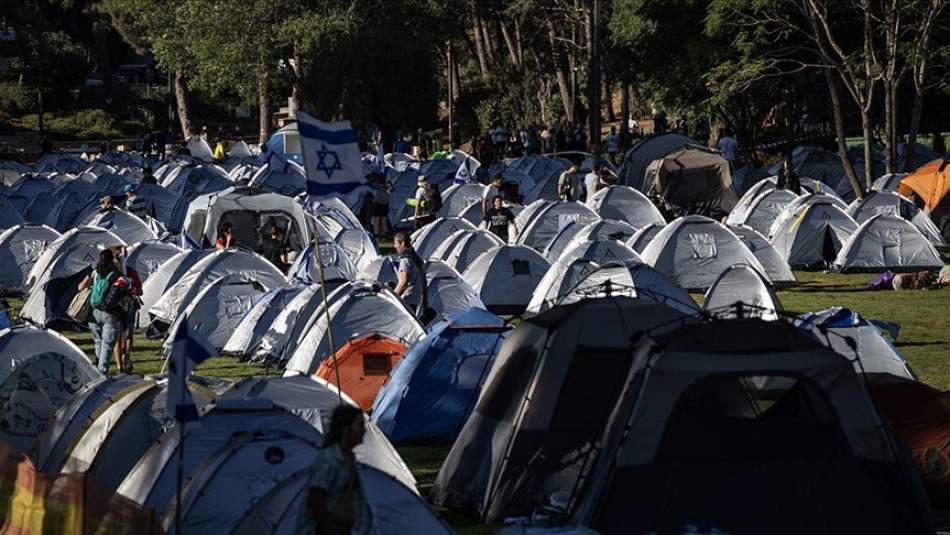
x=931, y=183
x=365, y=364
x=34, y=503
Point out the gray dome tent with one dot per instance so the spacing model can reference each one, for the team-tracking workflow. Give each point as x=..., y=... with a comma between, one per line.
x=358, y=245
x=282, y=336
x=146, y=257
x=694, y=250
x=505, y=277
x=126, y=226
x=690, y=441
x=573, y=233
x=252, y=327
x=641, y=238
x=39, y=371
x=888, y=182
x=216, y=311
x=601, y=252
x=623, y=203
x=544, y=222
x=461, y=248
x=891, y=203
x=20, y=247
x=812, y=230
x=459, y=197
x=336, y=264
x=761, y=210
x=887, y=242
x=742, y=284
x=448, y=291
x=428, y=238
x=544, y=404
x=776, y=267
x=159, y=281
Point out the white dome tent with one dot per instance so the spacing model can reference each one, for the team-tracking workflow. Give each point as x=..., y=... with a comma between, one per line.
x=890, y=203
x=887, y=242
x=742, y=284
x=146, y=257
x=639, y=241
x=20, y=247
x=506, y=276
x=252, y=327
x=776, y=267
x=426, y=239
x=546, y=221
x=761, y=210
x=215, y=313
x=808, y=234
x=159, y=281
x=626, y=204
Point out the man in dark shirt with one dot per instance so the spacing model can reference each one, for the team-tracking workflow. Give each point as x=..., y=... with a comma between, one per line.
x=147, y=176
x=274, y=248
x=498, y=219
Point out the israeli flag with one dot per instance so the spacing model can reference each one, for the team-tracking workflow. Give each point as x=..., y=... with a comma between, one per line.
x=331, y=155
x=466, y=172
x=185, y=355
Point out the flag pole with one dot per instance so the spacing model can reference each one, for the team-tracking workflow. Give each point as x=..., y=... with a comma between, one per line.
x=181, y=474
x=326, y=310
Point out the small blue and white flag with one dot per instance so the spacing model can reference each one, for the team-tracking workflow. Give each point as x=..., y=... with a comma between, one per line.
x=331, y=155
x=185, y=355
x=466, y=172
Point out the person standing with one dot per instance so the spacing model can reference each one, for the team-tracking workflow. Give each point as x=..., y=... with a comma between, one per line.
x=613, y=145
x=495, y=189
x=500, y=221
x=567, y=183
x=104, y=325
x=411, y=284
x=336, y=504
x=788, y=178
x=129, y=277
x=147, y=176
x=592, y=180
x=274, y=249
x=380, y=218
x=728, y=147
x=422, y=213
x=135, y=204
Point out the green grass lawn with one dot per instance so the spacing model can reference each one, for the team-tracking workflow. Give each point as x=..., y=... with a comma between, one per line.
x=924, y=340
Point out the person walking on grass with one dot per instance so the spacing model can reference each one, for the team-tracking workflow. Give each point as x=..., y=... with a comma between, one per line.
x=335, y=503
x=103, y=324
x=500, y=221
x=129, y=277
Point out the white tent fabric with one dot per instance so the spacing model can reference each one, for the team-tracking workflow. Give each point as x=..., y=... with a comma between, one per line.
x=284, y=334
x=809, y=233
x=20, y=248
x=126, y=226
x=146, y=257
x=506, y=276
x=220, y=263
x=605, y=229
x=888, y=182
x=761, y=210
x=448, y=291
x=547, y=220
x=639, y=241
x=90, y=237
x=626, y=204
x=214, y=314
x=562, y=240
x=891, y=203
x=289, y=179
x=600, y=251
x=459, y=197
x=39, y=371
x=794, y=209
x=694, y=250
x=356, y=309
x=336, y=264
x=251, y=211
x=466, y=246
x=887, y=242
x=168, y=273
x=359, y=246
x=776, y=267
x=426, y=239
x=254, y=324
x=742, y=283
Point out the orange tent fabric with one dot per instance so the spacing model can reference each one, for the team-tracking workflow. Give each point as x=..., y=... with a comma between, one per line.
x=365, y=364
x=35, y=503
x=931, y=183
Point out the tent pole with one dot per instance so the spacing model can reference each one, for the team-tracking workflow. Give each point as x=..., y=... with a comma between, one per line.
x=326, y=310
x=181, y=472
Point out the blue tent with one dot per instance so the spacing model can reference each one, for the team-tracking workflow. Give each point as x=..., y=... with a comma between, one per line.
x=435, y=386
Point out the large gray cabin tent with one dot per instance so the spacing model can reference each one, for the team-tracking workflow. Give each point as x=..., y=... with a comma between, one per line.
x=694, y=250
x=641, y=238
x=152, y=481
x=811, y=234
x=51, y=448
x=123, y=224
x=506, y=277
x=159, y=281
x=461, y=248
x=284, y=333
x=892, y=203
x=776, y=267
x=761, y=210
x=626, y=204
x=252, y=212
x=887, y=242
x=39, y=371
x=426, y=239
x=20, y=248
x=459, y=197
x=356, y=309
x=394, y=508
x=252, y=327
x=833, y=327
x=54, y=289
x=147, y=256
x=742, y=284
x=216, y=311
x=219, y=263
x=123, y=429
x=691, y=176
x=313, y=400
x=688, y=442
x=579, y=278
x=549, y=219
x=544, y=404
x=643, y=152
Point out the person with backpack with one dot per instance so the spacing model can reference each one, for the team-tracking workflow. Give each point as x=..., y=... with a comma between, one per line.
x=104, y=325
x=130, y=280
x=411, y=284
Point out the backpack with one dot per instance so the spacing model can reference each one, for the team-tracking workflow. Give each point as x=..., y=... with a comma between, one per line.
x=100, y=285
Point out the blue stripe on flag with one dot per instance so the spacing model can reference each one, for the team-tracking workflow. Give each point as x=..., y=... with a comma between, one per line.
x=334, y=137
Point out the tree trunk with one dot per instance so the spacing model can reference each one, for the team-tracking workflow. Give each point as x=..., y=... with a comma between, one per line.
x=264, y=103
x=491, y=46
x=184, y=108
x=560, y=72
x=867, y=129
x=890, y=126
x=839, y=134
x=480, y=49
x=609, y=100
x=518, y=42
x=296, y=91
x=510, y=45
x=912, y=131
x=99, y=33
x=594, y=82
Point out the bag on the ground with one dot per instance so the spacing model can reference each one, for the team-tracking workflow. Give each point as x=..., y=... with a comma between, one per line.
x=99, y=287
x=79, y=308
x=884, y=281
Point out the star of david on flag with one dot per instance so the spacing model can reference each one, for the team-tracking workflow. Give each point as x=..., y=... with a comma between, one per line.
x=331, y=155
